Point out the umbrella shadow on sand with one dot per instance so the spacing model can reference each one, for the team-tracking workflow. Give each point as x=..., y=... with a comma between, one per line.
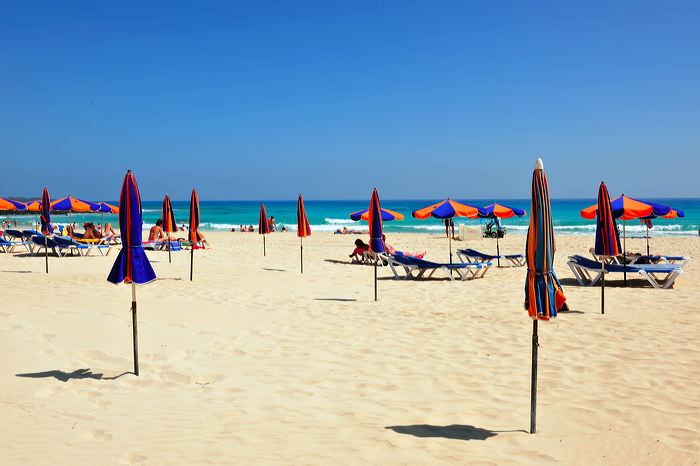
x=66, y=376
x=454, y=431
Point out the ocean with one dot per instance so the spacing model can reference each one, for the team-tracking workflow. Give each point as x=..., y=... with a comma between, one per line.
x=332, y=215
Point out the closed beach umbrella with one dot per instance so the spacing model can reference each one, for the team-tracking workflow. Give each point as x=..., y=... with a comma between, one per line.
x=496, y=210
x=194, y=235
x=263, y=225
x=46, y=228
x=543, y=292
x=303, y=229
x=607, y=237
x=387, y=215
x=376, y=244
x=448, y=209
x=132, y=265
x=169, y=223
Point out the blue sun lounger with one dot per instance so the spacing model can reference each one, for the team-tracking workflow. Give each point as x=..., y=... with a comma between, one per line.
x=588, y=272
x=9, y=246
x=633, y=259
x=472, y=255
x=14, y=234
x=38, y=244
x=409, y=264
x=67, y=243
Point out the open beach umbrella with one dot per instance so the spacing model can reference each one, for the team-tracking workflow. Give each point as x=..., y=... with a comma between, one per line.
x=194, y=235
x=104, y=208
x=543, y=292
x=263, y=225
x=303, y=229
x=607, y=237
x=34, y=206
x=169, y=223
x=376, y=244
x=132, y=265
x=627, y=208
x=387, y=215
x=448, y=209
x=496, y=210
x=8, y=205
x=46, y=228
x=71, y=204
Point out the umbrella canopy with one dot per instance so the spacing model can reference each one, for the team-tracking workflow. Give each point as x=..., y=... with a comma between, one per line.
x=169, y=223
x=628, y=208
x=34, y=206
x=303, y=227
x=46, y=227
x=263, y=222
x=194, y=235
x=375, y=224
x=607, y=237
x=8, y=205
x=497, y=210
x=673, y=213
x=131, y=265
x=449, y=209
x=104, y=208
x=387, y=215
x=543, y=292
x=71, y=204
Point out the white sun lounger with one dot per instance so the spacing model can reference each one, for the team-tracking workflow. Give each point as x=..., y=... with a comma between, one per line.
x=588, y=272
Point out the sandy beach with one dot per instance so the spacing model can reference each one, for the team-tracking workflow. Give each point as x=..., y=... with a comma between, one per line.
x=254, y=363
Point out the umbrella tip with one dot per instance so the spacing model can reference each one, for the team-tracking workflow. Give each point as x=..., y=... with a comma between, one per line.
x=539, y=165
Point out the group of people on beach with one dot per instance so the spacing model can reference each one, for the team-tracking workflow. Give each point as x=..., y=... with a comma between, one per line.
x=250, y=229
x=157, y=235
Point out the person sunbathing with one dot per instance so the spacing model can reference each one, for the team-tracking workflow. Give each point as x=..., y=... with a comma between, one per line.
x=110, y=233
x=156, y=234
x=391, y=250
x=91, y=232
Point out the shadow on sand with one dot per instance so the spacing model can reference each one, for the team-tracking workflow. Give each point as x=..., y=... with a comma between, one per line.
x=66, y=376
x=336, y=299
x=454, y=431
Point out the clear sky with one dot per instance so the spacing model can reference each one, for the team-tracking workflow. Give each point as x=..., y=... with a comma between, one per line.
x=423, y=99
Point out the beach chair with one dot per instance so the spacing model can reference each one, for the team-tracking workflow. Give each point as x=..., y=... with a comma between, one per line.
x=588, y=272
x=633, y=259
x=155, y=245
x=14, y=234
x=66, y=243
x=38, y=244
x=9, y=246
x=472, y=255
x=411, y=265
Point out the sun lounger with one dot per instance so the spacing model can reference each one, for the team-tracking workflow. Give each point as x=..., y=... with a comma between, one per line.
x=66, y=243
x=411, y=265
x=14, y=234
x=9, y=246
x=588, y=272
x=472, y=255
x=643, y=259
x=38, y=244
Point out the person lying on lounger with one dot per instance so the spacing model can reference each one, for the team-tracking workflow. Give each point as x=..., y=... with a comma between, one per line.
x=110, y=233
x=391, y=250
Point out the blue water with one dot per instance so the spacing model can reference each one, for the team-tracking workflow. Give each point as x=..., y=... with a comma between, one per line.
x=331, y=215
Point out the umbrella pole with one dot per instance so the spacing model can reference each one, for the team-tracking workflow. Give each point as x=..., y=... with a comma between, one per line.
x=264, y=252
x=134, y=327
x=647, y=239
x=170, y=259
x=498, y=250
x=301, y=254
x=624, y=249
x=450, y=248
x=375, y=281
x=46, y=253
x=192, y=259
x=533, y=380
x=602, y=292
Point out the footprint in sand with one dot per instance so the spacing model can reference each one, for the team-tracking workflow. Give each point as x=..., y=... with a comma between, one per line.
x=134, y=458
x=99, y=434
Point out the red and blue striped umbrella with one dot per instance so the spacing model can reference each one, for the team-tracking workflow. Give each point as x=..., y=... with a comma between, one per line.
x=376, y=244
x=303, y=227
x=46, y=227
x=131, y=265
x=169, y=223
x=263, y=221
x=194, y=235
x=607, y=237
x=543, y=292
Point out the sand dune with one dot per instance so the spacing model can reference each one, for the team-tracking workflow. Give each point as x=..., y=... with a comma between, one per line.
x=253, y=362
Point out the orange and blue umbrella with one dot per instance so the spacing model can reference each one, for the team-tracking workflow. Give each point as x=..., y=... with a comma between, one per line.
x=543, y=292
x=303, y=229
x=376, y=243
x=448, y=209
x=132, y=265
x=34, y=206
x=387, y=215
x=194, y=235
x=501, y=211
x=71, y=204
x=673, y=213
x=607, y=237
x=105, y=208
x=628, y=208
x=169, y=223
x=8, y=205
x=263, y=225
x=46, y=228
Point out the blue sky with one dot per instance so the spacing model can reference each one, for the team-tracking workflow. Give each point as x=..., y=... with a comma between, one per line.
x=423, y=99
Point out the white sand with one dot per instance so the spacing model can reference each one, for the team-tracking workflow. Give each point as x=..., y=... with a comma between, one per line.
x=253, y=363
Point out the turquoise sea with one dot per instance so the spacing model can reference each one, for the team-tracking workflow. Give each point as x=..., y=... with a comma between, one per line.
x=331, y=215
